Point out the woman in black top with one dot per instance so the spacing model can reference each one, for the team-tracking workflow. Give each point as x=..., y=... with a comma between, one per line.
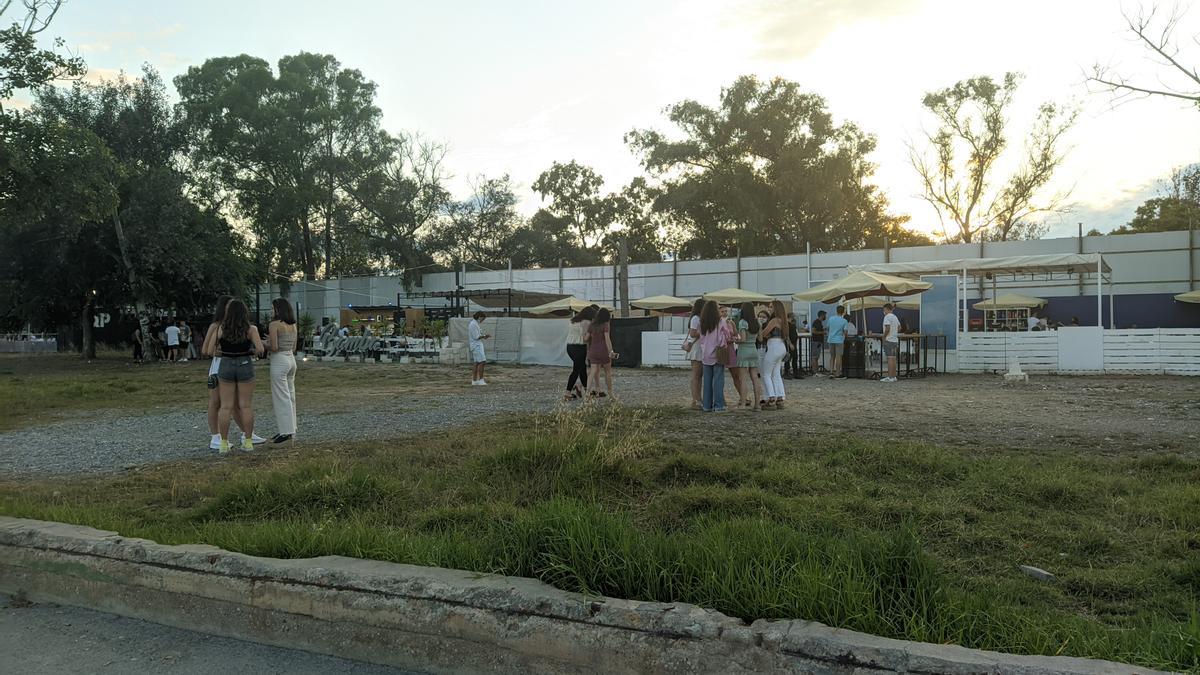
x=239, y=343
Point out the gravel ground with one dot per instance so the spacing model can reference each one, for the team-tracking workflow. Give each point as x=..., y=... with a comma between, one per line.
x=1101, y=414
x=38, y=639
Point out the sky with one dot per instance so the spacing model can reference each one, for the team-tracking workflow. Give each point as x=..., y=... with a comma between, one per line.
x=513, y=86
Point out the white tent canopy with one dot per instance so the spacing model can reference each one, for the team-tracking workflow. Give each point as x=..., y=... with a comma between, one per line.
x=1065, y=263
x=1091, y=265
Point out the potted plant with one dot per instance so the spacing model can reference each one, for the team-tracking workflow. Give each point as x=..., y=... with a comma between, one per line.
x=304, y=330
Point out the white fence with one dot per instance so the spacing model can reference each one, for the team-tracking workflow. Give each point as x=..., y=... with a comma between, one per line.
x=1173, y=351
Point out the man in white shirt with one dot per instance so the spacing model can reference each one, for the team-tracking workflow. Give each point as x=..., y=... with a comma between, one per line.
x=172, y=333
x=475, y=338
x=891, y=341
x=1032, y=321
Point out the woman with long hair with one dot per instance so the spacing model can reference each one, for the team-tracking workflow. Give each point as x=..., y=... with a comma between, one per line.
x=748, y=357
x=600, y=353
x=209, y=348
x=281, y=340
x=715, y=335
x=239, y=343
x=691, y=345
x=577, y=348
x=777, y=350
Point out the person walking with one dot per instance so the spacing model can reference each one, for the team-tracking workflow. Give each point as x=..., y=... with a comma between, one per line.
x=835, y=332
x=691, y=345
x=475, y=338
x=775, y=332
x=281, y=341
x=748, y=358
x=209, y=348
x=891, y=341
x=791, y=363
x=715, y=343
x=600, y=353
x=577, y=348
x=239, y=343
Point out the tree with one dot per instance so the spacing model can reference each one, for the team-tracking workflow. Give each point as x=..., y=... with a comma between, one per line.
x=1178, y=80
x=151, y=246
x=766, y=172
x=478, y=229
x=289, y=149
x=1176, y=208
x=22, y=64
x=577, y=205
x=960, y=180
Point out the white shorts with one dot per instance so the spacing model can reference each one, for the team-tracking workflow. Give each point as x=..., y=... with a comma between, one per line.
x=216, y=363
x=477, y=355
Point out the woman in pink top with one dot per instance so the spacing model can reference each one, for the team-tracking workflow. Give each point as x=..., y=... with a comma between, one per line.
x=714, y=334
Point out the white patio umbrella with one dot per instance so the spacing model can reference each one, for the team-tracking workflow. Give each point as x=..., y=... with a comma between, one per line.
x=860, y=285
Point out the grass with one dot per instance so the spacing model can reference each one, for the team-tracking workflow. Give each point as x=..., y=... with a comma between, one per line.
x=35, y=388
x=897, y=539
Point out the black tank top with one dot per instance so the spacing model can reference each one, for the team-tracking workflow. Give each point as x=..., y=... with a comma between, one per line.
x=242, y=347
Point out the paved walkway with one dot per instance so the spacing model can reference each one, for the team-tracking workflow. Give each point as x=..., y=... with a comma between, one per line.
x=50, y=639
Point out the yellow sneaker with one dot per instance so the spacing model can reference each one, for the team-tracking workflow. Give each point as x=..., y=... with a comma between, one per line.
x=247, y=444
x=223, y=448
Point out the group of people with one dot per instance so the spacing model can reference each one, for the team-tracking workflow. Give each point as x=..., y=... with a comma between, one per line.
x=234, y=344
x=751, y=343
x=171, y=341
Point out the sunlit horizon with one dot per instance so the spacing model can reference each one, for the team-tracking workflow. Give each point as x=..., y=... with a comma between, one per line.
x=511, y=89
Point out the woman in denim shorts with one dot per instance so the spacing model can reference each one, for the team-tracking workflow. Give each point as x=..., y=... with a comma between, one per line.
x=239, y=344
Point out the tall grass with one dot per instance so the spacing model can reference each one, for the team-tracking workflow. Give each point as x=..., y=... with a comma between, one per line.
x=899, y=540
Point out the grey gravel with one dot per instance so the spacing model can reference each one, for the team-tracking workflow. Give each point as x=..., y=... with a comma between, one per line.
x=108, y=441
x=37, y=639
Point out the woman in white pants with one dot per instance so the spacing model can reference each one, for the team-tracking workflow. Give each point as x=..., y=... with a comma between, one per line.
x=777, y=350
x=281, y=338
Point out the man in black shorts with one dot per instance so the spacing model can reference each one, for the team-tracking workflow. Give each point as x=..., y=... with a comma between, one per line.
x=817, y=342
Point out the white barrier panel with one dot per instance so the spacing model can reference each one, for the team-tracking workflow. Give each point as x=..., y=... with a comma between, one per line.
x=1173, y=351
x=544, y=342
x=1131, y=350
x=1179, y=350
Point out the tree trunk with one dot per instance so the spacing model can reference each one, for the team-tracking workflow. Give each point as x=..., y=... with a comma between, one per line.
x=139, y=305
x=89, y=342
x=310, y=269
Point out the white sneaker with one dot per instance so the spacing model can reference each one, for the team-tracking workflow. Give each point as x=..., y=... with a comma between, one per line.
x=183, y=360
x=215, y=443
x=483, y=383
x=474, y=383
x=255, y=439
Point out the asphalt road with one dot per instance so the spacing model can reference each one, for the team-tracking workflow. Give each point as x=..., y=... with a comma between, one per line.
x=38, y=639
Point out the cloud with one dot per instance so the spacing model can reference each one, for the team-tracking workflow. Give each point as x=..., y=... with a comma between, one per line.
x=789, y=30
x=1114, y=212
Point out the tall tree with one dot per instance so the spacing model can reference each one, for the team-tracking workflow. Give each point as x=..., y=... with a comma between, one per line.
x=154, y=247
x=285, y=147
x=960, y=180
x=1177, y=206
x=23, y=65
x=1178, y=77
x=478, y=229
x=572, y=191
x=765, y=172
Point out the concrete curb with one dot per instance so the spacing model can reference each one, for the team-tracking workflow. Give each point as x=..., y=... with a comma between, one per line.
x=448, y=621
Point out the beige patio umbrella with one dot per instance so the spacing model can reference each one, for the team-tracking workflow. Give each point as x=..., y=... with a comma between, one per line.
x=735, y=296
x=877, y=302
x=862, y=284
x=1190, y=296
x=564, y=306
x=1010, y=301
x=663, y=303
